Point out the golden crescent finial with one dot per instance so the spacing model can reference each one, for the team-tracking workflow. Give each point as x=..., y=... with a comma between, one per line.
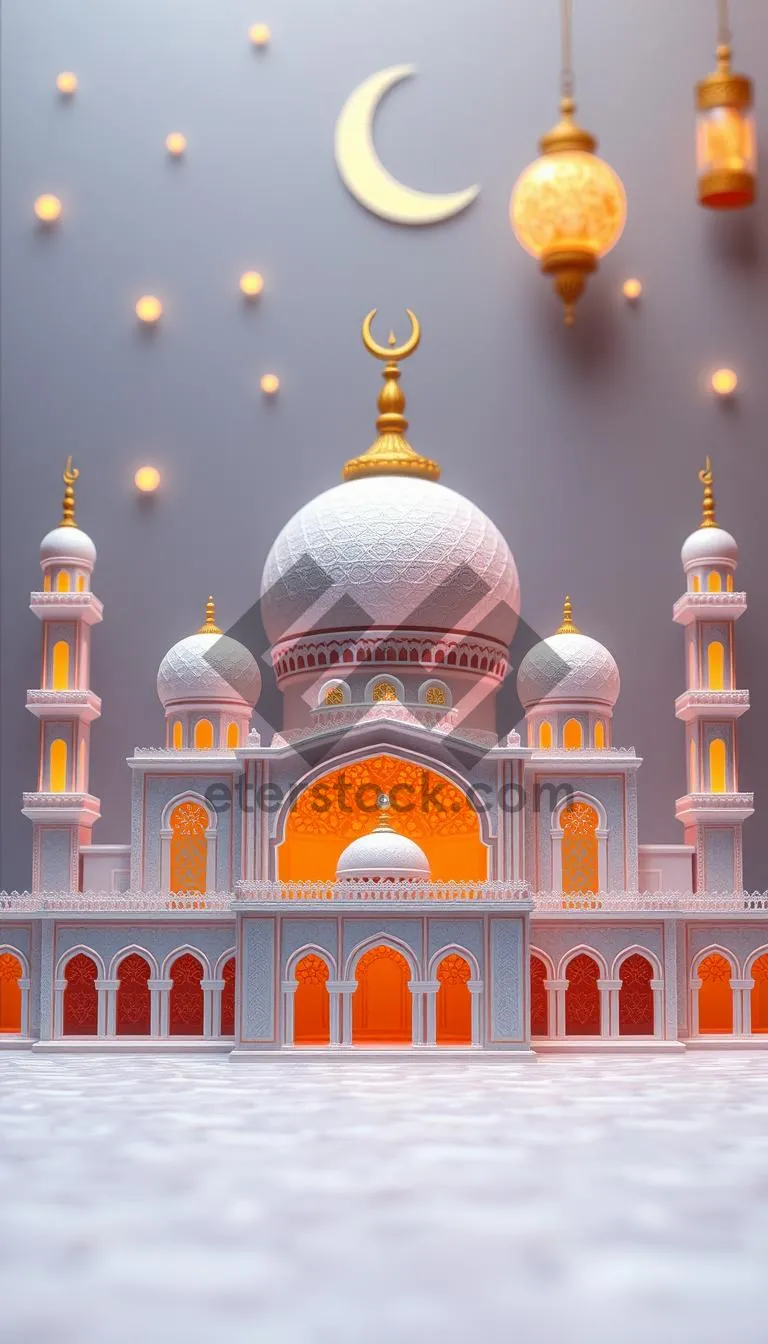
x=707, y=477
x=391, y=352
x=69, y=476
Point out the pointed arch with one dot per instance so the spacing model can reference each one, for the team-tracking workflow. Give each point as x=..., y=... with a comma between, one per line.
x=133, y=1000
x=715, y=665
x=188, y=844
x=186, y=1001
x=57, y=769
x=714, y=582
x=718, y=766
x=382, y=1007
x=573, y=735
x=13, y=970
x=545, y=735
x=311, y=1001
x=712, y=972
x=600, y=734
x=757, y=970
x=637, y=1008
x=203, y=735
x=177, y=738
x=582, y=997
x=581, y=845
x=60, y=665
x=540, y=969
x=80, y=997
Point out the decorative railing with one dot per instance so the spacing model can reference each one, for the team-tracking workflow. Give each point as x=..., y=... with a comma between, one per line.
x=693, y=901
x=137, y=901
x=364, y=891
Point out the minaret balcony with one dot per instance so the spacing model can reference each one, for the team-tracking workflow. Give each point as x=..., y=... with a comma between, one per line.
x=717, y=809
x=709, y=607
x=74, y=808
x=84, y=607
x=716, y=705
x=49, y=704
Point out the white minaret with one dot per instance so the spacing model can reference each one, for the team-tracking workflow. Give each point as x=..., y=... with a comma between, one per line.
x=62, y=810
x=713, y=810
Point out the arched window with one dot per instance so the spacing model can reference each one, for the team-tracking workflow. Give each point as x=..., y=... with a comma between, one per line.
x=714, y=582
x=717, y=766
x=178, y=735
x=233, y=736
x=715, y=996
x=693, y=781
x=454, y=1002
x=81, y=1000
x=134, y=1001
x=384, y=690
x=46, y=583
x=759, y=994
x=185, y=1011
x=573, y=735
x=729, y=584
x=599, y=734
x=62, y=581
x=545, y=736
x=580, y=858
x=333, y=695
x=204, y=734
x=189, y=847
x=435, y=695
x=695, y=584
x=10, y=993
x=636, y=997
x=715, y=665
x=81, y=765
x=539, y=1009
x=381, y=1004
x=311, y=1004
x=58, y=766
x=582, y=997
x=81, y=583
x=60, y=665
x=691, y=663
x=228, y=998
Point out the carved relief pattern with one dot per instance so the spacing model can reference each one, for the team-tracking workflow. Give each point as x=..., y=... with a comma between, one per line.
x=453, y=970
x=579, y=853
x=312, y=970
x=10, y=967
x=186, y=997
x=317, y=810
x=434, y=695
x=384, y=690
x=228, y=998
x=134, y=1014
x=539, y=1013
x=334, y=696
x=714, y=968
x=80, y=997
x=582, y=997
x=189, y=822
x=636, y=997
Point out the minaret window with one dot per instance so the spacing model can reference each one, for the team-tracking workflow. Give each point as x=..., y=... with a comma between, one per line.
x=81, y=583
x=729, y=583
x=580, y=860
x=695, y=584
x=58, y=766
x=434, y=695
x=334, y=696
x=62, y=581
x=599, y=734
x=233, y=736
x=178, y=735
x=46, y=583
x=717, y=766
x=189, y=848
x=573, y=735
x=545, y=736
x=714, y=582
x=204, y=734
x=82, y=767
x=384, y=690
x=693, y=781
x=60, y=665
x=715, y=665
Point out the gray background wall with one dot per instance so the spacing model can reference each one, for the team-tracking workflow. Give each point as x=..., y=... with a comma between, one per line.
x=582, y=445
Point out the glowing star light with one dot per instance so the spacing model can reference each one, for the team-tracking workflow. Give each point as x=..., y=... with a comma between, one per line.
x=632, y=289
x=259, y=35
x=176, y=143
x=251, y=284
x=66, y=83
x=48, y=209
x=269, y=384
x=149, y=309
x=724, y=382
x=147, y=479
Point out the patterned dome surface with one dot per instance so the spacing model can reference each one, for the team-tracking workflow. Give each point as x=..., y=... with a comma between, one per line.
x=568, y=667
x=208, y=667
x=709, y=544
x=67, y=543
x=383, y=853
x=398, y=552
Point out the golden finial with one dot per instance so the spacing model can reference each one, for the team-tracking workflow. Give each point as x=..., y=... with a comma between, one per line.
x=209, y=626
x=708, y=505
x=391, y=454
x=567, y=627
x=69, y=476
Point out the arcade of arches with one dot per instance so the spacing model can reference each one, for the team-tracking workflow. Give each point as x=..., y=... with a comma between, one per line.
x=340, y=806
x=582, y=997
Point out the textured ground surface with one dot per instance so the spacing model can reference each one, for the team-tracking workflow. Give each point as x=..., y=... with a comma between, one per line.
x=177, y=1201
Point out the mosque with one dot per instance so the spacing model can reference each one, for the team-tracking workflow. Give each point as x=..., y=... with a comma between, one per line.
x=387, y=871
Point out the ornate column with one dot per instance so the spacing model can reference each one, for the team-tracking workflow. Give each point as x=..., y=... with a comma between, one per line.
x=746, y=1005
x=211, y=1006
x=475, y=988
x=159, y=991
x=335, y=988
x=657, y=987
x=694, y=985
x=24, y=985
x=346, y=989
x=289, y=988
x=59, y=985
x=556, y=991
x=742, y=1007
x=107, y=1006
x=431, y=988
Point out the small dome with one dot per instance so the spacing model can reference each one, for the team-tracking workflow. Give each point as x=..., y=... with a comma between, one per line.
x=709, y=545
x=208, y=667
x=68, y=544
x=568, y=666
x=383, y=853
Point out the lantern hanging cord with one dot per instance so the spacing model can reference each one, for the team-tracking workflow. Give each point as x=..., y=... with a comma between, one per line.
x=566, y=38
x=723, y=24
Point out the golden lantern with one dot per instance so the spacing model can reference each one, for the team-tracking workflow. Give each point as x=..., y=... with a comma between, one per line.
x=568, y=207
x=726, y=142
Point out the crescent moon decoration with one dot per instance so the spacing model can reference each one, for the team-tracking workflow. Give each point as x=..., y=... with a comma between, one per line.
x=362, y=171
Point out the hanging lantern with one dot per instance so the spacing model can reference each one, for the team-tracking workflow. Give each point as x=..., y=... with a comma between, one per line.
x=568, y=208
x=726, y=142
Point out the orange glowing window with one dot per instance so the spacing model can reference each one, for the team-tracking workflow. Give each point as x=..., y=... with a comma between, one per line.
x=381, y=1004
x=729, y=584
x=580, y=859
x=10, y=993
x=58, y=766
x=334, y=696
x=384, y=690
x=539, y=1007
x=233, y=736
x=715, y=665
x=573, y=735
x=81, y=583
x=636, y=997
x=435, y=695
x=311, y=1004
x=204, y=734
x=189, y=847
x=695, y=584
x=715, y=996
x=717, y=766
x=81, y=765
x=693, y=779
x=46, y=583
x=454, y=1002
x=178, y=735
x=582, y=997
x=62, y=581
x=60, y=665
x=545, y=736
x=759, y=994
x=599, y=734
x=714, y=582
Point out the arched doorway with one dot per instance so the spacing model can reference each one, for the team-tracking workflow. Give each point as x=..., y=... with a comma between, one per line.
x=539, y=1005
x=11, y=971
x=381, y=1004
x=636, y=1016
x=134, y=1000
x=579, y=854
x=759, y=995
x=227, y=1016
x=81, y=1000
x=454, y=1002
x=715, y=996
x=582, y=997
x=311, y=1004
x=185, y=1011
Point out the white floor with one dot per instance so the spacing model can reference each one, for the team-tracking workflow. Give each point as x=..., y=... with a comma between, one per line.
x=171, y=1201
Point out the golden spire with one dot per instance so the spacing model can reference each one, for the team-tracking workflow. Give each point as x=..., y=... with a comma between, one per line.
x=209, y=626
x=391, y=454
x=69, y=477
x=567, y=627
x=708, y=504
